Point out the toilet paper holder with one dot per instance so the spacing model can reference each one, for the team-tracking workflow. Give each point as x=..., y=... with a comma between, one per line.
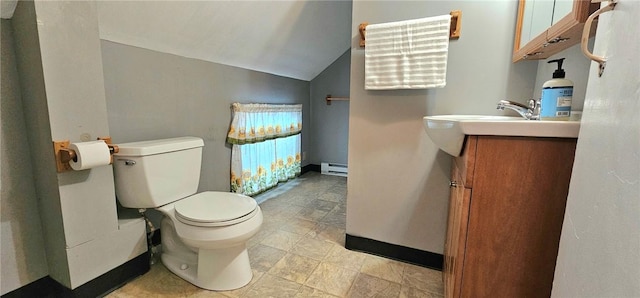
x=64, y=155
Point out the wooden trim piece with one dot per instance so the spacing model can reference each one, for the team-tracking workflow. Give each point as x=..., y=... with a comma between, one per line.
x=58, y=147
x=363, y=30
x=456, y=24
x=520, y=19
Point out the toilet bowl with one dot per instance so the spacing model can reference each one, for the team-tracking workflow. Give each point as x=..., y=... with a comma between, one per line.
x=215, y=257
x=204, y=234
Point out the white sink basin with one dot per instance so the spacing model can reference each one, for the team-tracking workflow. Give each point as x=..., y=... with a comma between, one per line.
x=448, y=131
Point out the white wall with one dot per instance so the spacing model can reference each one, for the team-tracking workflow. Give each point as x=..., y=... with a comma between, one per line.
x=22, y=255
x=599, y=254
x=330, y=123
x=398, y=180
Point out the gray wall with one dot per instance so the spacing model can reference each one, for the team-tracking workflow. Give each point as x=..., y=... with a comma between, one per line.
x=22, y=257
x=398, y=179
x=599, y=252
x=62, y=85
x=153, y=95
x=29, y=62
x=330, y=123
x=576, y=67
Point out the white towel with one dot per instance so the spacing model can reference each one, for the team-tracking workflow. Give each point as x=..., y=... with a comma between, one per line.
x=408, y=54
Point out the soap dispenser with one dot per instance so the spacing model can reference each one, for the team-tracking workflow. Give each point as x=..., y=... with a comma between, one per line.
x=556, y=95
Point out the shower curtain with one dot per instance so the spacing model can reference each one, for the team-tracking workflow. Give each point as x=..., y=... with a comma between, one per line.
x=265, y=142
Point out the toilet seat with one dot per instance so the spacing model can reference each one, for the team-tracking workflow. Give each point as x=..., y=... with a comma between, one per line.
x=215, y=209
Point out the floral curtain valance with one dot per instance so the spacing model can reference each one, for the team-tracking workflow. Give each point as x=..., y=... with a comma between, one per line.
x=253, y=123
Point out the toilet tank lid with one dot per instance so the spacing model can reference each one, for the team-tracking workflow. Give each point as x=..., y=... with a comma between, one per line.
x=151, y=147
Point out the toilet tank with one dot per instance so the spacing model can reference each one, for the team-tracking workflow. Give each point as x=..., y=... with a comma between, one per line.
x=150, y=174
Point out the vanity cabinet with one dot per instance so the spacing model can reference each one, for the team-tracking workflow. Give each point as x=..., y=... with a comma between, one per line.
x=545, y=27
x=506, y=210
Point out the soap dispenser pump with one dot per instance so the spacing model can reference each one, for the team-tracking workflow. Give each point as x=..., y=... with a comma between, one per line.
x=556, y=95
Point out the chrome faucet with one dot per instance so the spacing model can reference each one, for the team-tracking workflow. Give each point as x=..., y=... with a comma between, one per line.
x=531, y=112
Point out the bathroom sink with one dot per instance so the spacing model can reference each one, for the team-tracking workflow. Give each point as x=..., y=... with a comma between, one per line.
x=448, y=131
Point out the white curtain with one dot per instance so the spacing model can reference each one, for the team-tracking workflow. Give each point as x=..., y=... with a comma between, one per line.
x=266, y=146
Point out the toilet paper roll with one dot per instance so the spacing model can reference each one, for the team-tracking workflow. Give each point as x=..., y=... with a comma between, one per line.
x=90, y=155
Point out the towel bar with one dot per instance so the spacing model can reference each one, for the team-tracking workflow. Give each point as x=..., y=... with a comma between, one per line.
x=454, y=31
x=329, y=98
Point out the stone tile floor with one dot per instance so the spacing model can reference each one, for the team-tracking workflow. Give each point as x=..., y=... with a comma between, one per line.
x=299, y=252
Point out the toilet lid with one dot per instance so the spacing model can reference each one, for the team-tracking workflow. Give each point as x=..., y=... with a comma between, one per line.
x=214, y=208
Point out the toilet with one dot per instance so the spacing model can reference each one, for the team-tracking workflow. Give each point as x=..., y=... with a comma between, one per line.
x=204, y=235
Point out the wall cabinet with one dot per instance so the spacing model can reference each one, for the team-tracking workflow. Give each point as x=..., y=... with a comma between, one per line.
x=545, y=27
x=506, y=211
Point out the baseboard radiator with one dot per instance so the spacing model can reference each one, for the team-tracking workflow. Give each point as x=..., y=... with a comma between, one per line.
x=334, y=169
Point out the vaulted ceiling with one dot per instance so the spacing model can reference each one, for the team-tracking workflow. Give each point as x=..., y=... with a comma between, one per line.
x=291, y=38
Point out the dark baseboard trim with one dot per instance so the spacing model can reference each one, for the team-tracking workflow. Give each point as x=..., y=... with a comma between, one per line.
x=396, y=252
x=98, y=287
x=310, y=168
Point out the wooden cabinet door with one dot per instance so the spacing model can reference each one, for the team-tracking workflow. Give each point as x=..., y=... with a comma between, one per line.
x=515, y=217
x=456, y=234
